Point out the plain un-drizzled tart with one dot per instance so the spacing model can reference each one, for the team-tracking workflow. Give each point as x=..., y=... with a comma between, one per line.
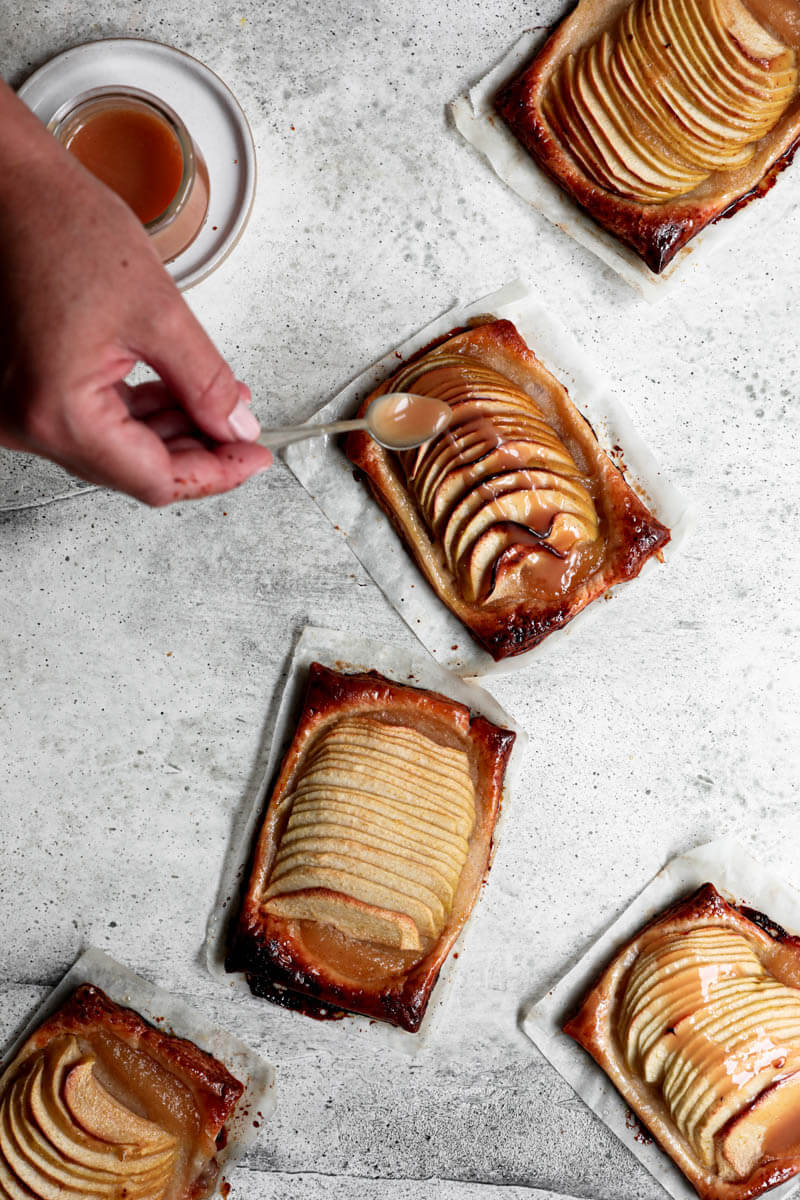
x=660, y=116
x=515, y=514
x=373, y=848
x=99, y=1104
x=697, y=1023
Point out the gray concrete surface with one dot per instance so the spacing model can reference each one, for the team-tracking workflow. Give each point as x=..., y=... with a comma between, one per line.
x=142, y=652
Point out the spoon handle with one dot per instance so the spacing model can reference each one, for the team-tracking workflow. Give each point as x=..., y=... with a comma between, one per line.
x=276, y=439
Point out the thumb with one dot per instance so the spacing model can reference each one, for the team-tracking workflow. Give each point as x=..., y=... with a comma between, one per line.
x=197, y=375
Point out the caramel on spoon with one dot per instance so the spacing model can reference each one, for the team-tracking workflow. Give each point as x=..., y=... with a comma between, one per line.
x=396, y=420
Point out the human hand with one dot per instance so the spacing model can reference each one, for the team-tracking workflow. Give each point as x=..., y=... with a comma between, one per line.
x=85, y=298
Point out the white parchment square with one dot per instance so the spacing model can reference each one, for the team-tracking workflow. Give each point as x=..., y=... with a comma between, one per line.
x=344, y=652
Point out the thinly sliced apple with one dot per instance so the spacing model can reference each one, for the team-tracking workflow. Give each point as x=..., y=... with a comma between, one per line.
x=399, y=807
x=363, y=921
x=103, y=1117
x=335, y=771
x=10, y=1185
x=725, y=1102
x=477, y=569
x=408, y=755
x=768, y=1128
x=360, y=888
x=644, y=168
x=516, y=454
x=334, y=766
x=138, y=1171
x=748, y=35
x=323, y=824
x=678, y=119
x=454, y=791
x=534, y=509
x=479, y=494
x=430, y=748
x=700, y=59
x=727, y=56
x=609, y=158
x=358, y=849
x=390, y=763
x=386, y=813
x=562, y=114
x=490, y=426
x=632, y=125
x=717, y=131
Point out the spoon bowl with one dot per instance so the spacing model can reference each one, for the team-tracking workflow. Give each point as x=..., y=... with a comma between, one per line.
x=396, y=420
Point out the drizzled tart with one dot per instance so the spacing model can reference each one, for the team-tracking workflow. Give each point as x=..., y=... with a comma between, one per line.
x=515, y=515
x=697, y=1023
x=373, y=848
x=660, y=116
x=97, y=1103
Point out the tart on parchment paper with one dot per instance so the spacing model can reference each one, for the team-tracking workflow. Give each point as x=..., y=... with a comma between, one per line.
x=658, y=117
x=98, y=1102
x=375, y=842
x=515, y=514
x=696, y=1021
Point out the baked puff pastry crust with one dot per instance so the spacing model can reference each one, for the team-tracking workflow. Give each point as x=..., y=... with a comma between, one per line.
x=659, y=117
x=373, y=848
x=99, y=1103
x=515, y=515
x=697, y=1023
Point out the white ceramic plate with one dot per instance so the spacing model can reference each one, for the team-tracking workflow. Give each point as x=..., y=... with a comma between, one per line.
x=207, y=107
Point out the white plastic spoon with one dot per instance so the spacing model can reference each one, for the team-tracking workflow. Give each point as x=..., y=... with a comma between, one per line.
x=396, y=420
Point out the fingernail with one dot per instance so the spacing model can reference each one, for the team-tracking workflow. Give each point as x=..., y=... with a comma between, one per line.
x=244, y=425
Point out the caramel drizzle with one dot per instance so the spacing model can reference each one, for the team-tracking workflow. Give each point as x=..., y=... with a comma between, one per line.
x=705, y=1023
x=498, y=487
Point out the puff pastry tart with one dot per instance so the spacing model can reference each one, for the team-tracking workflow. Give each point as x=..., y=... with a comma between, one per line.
x=697, y=1023
x=514, y=514
x=374, y=845
x=661, y=116
x=99, y=1104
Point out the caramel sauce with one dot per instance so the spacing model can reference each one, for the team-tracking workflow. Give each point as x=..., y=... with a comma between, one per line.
x=498, y=487
x=135, y=153
x=151, y=1091
x=358, y=962
x=407, y=419
x=782, y=1136
x=780, y=17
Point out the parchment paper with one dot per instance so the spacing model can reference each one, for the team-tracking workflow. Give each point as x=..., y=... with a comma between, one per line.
x=343, y=652
x=173, y=1015
x=475, y=118
x=742, y=879
x=327, y=475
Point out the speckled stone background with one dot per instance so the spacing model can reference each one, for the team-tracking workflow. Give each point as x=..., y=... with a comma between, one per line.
x=143, y=652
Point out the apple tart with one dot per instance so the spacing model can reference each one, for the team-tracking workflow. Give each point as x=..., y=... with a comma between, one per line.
x=661, y=116
x=97, y=1103
x=373, y=848
x=697, y=1023
x=515, y=515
